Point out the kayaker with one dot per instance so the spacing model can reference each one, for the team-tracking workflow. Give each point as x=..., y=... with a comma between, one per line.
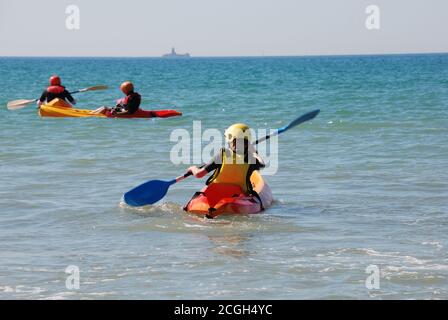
x=125, y=106
x=234, y=164
x=55, y=90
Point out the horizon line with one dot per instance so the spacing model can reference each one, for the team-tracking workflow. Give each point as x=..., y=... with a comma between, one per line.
x=236, y=56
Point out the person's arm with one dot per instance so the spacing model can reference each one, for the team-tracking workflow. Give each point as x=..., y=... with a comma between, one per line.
x=69, y=97
x=209, y=167
x=42, y=98
x=259, y=161
x=198, y=172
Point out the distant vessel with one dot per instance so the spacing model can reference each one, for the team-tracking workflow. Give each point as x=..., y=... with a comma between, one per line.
x=174, y=54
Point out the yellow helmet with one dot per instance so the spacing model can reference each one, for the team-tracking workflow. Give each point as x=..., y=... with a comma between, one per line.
x=238, y=131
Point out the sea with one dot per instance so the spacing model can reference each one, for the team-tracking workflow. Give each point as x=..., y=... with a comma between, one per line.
x=361, y=191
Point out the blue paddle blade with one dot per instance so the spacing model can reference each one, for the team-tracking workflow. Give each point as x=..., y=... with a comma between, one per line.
x=306, y=117
x=147, y=193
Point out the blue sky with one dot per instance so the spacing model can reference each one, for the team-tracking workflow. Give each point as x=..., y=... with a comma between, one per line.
x=221, y=28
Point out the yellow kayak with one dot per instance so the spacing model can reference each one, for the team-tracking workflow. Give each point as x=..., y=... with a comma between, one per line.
x=62, y=109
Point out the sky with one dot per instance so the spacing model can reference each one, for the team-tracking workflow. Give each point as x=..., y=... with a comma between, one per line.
x=221, y=27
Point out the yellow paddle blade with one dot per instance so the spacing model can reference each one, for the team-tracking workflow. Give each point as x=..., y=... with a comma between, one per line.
x=95, y=88
x=18, y=104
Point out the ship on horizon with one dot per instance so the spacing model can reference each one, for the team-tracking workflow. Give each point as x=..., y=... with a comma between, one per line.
x=174, y=54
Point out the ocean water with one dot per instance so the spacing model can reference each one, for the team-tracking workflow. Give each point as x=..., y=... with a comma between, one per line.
x=365, y=183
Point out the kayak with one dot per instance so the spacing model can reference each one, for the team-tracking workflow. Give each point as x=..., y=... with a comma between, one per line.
x=218, y=199
x=60, y=108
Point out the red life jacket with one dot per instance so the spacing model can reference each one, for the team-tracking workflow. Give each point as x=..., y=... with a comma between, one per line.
x=55, y=89
x=124, y=101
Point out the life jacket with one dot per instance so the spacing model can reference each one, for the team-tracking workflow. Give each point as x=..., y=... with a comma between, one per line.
x=55, y=89
x=233, y=170
x=124, y=101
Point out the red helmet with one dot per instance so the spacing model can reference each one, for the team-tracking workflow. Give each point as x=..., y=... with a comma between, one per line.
x=55, y=80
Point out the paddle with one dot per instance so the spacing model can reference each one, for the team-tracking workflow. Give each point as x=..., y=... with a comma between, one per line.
x=152, y=191
x=21, y=103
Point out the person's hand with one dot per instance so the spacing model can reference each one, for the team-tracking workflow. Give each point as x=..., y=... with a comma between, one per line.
x=251, y=150
x=257, y=156
x=194, y=170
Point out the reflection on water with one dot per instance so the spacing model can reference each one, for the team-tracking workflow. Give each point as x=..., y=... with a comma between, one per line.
x=230, y=245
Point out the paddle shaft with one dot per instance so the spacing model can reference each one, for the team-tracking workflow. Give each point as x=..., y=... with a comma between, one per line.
x=180, y=178
x=73, y=92
x=77, y=91
x=18, y=104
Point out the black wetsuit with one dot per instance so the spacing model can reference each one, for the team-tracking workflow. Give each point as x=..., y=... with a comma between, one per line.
x=48, y=96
